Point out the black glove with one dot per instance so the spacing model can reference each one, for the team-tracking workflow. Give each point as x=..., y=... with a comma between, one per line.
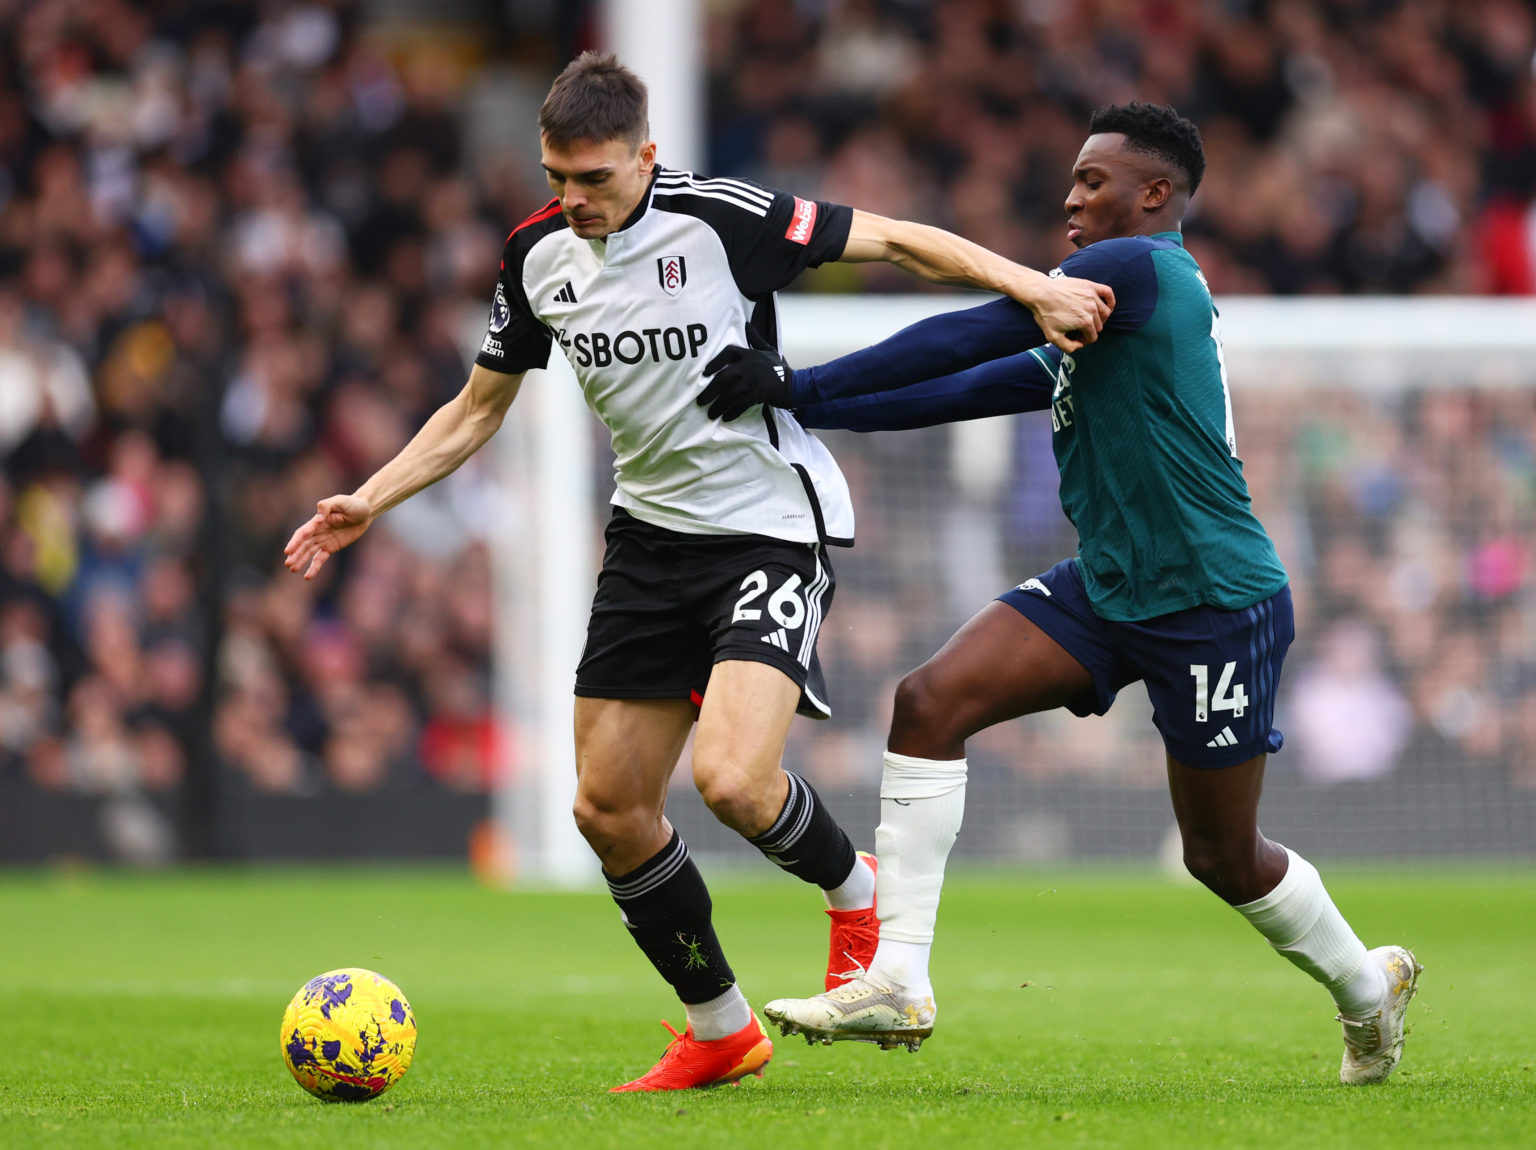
x=746, y=376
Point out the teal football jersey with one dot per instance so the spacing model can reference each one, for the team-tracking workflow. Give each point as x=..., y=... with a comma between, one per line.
x=1141, y=419
x=1141, y=425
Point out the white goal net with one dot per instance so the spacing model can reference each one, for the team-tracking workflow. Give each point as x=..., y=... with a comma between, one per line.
x=1390, y=447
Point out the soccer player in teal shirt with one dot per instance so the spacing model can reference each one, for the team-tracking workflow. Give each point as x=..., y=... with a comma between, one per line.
x=1175, y=583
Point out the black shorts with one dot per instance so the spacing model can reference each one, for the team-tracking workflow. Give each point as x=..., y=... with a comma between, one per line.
x=669, y=606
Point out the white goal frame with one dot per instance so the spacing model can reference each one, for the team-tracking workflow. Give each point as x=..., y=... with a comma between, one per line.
x=546, y=548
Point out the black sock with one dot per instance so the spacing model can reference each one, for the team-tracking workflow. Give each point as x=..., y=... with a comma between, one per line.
x=806, y=841
x=666, y=907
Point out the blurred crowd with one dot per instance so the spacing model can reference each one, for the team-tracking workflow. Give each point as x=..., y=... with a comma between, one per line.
x=237, y=244
x=244, y=245
x=1354, y=145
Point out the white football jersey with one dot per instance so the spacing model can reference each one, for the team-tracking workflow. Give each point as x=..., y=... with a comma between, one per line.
x=638, y=315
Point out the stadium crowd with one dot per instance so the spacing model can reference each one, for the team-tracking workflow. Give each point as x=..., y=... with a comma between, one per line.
x=235, y=246
x=241, y=245
x=1353, y=145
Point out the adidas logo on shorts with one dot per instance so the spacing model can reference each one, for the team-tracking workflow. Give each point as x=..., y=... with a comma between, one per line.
x=1225, y=739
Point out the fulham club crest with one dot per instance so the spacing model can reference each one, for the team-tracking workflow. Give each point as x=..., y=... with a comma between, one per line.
x=672, y=271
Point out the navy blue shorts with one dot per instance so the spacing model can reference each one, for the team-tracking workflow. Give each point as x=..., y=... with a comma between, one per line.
x=1211, y=674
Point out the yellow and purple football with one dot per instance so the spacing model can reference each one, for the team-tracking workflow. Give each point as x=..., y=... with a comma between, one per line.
x=348, y=1035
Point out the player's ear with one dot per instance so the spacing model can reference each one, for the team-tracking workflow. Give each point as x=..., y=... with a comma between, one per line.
x=1157, y=193
x=647, y=156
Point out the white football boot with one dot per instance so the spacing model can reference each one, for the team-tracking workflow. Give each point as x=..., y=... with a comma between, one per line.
x=861, y=1011
x=1374, y=1044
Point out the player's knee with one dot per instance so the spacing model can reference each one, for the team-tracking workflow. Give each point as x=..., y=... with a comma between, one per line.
x=1201, y=861
x=605, y=824
x=731, y=795
x=922, y=705
x=1227, y=866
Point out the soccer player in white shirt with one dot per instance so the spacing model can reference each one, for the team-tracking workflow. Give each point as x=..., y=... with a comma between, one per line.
x=716, y=574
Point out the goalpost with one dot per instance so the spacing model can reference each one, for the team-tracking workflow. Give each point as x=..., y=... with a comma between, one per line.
x=1393, y=435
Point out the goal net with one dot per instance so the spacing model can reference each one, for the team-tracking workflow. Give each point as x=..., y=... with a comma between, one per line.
x=1390, y=447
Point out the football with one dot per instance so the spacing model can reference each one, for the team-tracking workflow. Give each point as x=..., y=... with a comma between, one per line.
x=348, y=1035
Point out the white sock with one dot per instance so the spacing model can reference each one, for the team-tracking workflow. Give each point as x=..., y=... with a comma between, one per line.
x=857, y=891
x=903, y=964
x=1301, y=922
x=719, y=1016
x=922, y=803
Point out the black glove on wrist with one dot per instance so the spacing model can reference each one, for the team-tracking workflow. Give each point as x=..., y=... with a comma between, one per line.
x=743, y=377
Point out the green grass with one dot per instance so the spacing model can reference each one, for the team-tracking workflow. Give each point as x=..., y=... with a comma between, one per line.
x=1079, y=1008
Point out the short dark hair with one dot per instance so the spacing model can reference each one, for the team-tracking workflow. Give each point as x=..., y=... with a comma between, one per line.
x=595, y=98
x=1158, y=131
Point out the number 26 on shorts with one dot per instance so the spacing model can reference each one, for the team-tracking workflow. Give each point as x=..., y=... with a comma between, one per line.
x=785, y=607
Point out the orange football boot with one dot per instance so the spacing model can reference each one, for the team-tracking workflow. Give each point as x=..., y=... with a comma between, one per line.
x=855, y=935
x=688, y=1062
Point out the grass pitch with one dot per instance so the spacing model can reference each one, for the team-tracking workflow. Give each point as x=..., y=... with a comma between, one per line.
x=1077, y=1008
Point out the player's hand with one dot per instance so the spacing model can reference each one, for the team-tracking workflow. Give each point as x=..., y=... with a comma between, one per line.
x=1070, y=311
x=743, y=377
x=338, y=521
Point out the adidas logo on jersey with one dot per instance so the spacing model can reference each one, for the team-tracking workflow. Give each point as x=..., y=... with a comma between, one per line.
x=567, y=294
x=777, y=639
x=1225, y=739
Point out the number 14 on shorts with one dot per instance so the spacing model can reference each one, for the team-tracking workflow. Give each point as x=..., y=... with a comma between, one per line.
x=1229, y=696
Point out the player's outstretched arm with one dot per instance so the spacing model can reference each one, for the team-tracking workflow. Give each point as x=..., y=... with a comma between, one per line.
x=1070, y=311
x=455, y=432
x=1004, y=386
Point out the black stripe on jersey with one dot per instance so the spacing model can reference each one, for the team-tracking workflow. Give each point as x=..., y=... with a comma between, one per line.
x=765, y=319
x=810, y=494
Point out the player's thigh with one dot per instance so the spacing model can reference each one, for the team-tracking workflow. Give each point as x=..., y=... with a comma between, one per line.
x=998, y=666
x=626, y=751
x=1219, y=802
x=743, y=724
